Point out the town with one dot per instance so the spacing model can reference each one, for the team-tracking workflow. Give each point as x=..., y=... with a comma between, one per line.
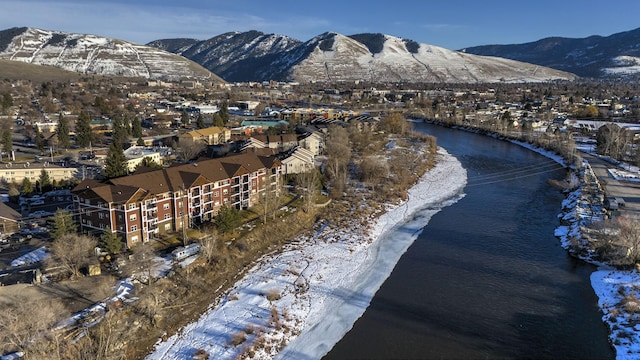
x=143, y=168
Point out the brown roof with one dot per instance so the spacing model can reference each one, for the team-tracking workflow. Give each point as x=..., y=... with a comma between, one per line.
x=6, y=212
x=174, y=178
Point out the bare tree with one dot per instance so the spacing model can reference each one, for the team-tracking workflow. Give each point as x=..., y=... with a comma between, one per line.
x=208, y=246
x=73, y=252
x=141, y=263
x=619, y=240
x=188, y=150
x=309, y=183
x=25, y=326
x=338, y=151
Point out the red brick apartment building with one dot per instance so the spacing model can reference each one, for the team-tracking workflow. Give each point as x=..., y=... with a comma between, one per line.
x=139, y=206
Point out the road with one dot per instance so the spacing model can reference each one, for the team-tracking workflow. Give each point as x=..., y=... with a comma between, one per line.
x=628, y=190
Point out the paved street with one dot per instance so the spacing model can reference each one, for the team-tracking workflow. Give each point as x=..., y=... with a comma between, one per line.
x=628, y=190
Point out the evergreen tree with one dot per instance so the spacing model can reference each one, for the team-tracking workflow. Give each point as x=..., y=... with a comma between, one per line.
x=62, y=224
x=224, y=113
x=7, y=141
x=63, y=132
x=27, y=187
x=40, y=141
x=44, y=180
x=84, y=132
x=119, y=132
x=140, y=142
x=116, y=163
x=184, y=118
x=200, y=122
x=110, y=241
x=228, y=219
x=217, y=120
x=136, y=128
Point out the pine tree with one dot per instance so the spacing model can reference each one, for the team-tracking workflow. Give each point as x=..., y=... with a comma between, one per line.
x=119, y=131
x=184, y=118
x=110, y=241
x=116, y=163
x=84, y=133
x=136, y=128
x=7, y=141
x=217, y=120
x=27, y=187
x=200, y=122
x=224, y=113
x=63, y=132
x=44, y=180
x=62, y=224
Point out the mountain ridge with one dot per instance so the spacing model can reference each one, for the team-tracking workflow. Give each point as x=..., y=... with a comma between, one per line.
x=594, y=56
x=328, y=57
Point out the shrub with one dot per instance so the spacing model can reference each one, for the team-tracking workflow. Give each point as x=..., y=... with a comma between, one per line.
x=238, y=338
x=273, y=294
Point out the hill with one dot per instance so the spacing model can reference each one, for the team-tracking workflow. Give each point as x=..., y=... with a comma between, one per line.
x=617, y=55
x=91, y=54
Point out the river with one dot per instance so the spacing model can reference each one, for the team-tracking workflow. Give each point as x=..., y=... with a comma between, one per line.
x=486, y=279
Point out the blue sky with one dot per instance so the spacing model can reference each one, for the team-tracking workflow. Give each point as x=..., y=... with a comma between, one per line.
x=453, y=24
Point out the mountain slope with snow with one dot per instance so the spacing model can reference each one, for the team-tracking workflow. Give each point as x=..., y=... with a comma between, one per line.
x=91, y=54
x=254, y=56
x=593, y=56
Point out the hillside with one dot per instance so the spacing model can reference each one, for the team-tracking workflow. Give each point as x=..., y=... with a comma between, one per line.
x=594, y=56
x=91, y=54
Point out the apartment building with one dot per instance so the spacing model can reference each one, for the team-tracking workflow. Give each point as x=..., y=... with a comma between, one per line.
x=140, y=206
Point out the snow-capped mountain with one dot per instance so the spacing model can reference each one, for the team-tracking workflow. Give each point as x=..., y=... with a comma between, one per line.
x=91, y=54
x=254, y=56
x=594, y=56
x=240, y=56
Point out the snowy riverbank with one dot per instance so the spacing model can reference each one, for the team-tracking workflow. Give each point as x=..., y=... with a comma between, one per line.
x=617, y=290
x=309, y=295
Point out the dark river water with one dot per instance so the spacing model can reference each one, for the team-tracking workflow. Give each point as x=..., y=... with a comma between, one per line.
x=486, y=279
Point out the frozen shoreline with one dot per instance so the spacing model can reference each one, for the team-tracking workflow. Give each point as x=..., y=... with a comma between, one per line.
x=311, y=294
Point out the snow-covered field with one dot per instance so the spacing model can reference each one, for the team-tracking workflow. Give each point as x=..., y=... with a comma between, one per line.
x=308, y=296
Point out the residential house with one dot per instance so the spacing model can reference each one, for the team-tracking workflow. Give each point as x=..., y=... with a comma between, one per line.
x=297, y=160
x=141, y=206
x=9, y=219
x=312, y=141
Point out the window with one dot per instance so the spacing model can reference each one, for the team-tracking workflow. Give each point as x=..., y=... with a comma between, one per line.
x=120, y=217
x=167, y=216
x=132, y=206
x=225, y=191
x=180, y=203
x=133, y=217
x=102, y=226
x=134, y=239
x=167, y=227
x=165, y=207
x=100, y=216
x=216, y=194
x=134, y=227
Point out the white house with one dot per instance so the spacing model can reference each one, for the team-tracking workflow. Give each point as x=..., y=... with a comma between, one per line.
x=299, y=160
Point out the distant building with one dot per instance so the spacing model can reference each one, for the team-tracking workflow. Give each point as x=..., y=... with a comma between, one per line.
x=137, y=154
x=17, y=172
x=213, y=135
